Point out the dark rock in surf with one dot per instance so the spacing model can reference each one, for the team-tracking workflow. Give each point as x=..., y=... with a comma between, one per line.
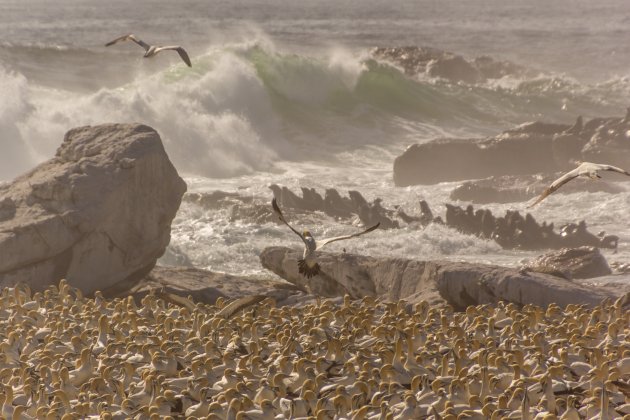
x=610, y=143
x=337, y=206
x=443, y=64
x=514, y=231
x=567, y=150
x=287, y=197
x=426, y=215
x=454, y=68
x=312, y=200
x=334, y=205
x=528, y=149
x=519, y=188
x=462, y=159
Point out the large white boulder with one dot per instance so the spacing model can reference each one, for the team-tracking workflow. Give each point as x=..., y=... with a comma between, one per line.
x=97, y=213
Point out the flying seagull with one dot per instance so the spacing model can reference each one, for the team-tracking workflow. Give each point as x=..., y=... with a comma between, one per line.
x=308, y=264
x=152, y=50
x=586, y=169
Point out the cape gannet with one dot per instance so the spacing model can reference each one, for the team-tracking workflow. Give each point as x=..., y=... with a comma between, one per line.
x=308, y=264
x=152, y=50
x=586, y=169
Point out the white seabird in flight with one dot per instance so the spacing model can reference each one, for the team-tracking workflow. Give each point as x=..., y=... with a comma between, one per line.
x=586, y=169
x=152, y=50
x=308, y=264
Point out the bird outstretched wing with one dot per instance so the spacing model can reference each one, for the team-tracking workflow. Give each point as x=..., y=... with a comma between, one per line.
x=584, y=168
x=129, y=37
x=274, y=204
x=182, y=53
x=555, y=185
x=341, y=238
x=614, y=169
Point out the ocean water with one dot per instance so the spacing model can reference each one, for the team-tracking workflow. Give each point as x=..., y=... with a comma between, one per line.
x=286, y=92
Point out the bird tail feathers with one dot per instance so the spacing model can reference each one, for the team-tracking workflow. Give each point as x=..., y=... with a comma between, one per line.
x=306, y=270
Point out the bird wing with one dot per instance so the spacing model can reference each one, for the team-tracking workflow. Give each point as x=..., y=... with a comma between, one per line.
x=127, y=38
x=555, y=185
x=274, y=204
x=341, y=238
x=182, y=53
x=614, y=169
x=239, y=304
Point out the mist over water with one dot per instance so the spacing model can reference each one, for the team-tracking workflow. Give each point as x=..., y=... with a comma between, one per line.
x=288, y=93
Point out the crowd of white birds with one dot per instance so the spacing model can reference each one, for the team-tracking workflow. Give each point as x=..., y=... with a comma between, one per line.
x=63, y=355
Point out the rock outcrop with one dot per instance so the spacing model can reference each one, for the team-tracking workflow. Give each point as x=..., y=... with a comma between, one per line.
x=610, y=143
x=525, y=150
x=334, y=205
x=446, y=65
x=515, y=231
x=513, y=189
x=97, y=213
x=460, y=284
x=452, y=159
x=573, y=263
x=206, y=286
x=511, y=231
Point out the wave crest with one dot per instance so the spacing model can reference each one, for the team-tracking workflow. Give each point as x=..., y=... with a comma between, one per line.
x=244, y=107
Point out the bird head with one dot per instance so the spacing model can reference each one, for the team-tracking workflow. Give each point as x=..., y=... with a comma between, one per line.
x=307, y=233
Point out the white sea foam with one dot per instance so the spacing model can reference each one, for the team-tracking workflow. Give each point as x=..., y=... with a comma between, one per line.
x=251, y=113
x=212, y=241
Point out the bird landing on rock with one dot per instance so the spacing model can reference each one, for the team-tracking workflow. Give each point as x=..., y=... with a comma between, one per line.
x=308, y=265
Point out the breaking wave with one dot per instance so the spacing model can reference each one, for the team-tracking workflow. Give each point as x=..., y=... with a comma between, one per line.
x=242, y=108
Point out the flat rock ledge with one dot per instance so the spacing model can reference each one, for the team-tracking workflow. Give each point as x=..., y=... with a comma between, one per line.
x=97, y=213
x=456, y=283
x=205, y=286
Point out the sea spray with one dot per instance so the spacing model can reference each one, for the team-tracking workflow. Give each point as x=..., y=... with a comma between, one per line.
x=243, y=107
x=15, y=156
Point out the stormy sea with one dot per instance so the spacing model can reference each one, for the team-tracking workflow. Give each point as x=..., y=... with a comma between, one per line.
x=316, y=95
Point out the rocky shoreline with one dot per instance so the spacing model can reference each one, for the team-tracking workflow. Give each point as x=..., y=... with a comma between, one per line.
x=91, y=326
x=457, y=283
x=107, y=243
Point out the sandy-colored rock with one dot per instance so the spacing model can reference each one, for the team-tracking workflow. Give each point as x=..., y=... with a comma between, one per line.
x=584, y=262
x=97, y=213
x=458, y=283
x=206, y=286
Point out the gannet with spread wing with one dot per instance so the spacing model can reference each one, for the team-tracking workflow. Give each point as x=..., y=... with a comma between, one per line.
x=586, y=169
x=152, y=50
x=308, y=264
